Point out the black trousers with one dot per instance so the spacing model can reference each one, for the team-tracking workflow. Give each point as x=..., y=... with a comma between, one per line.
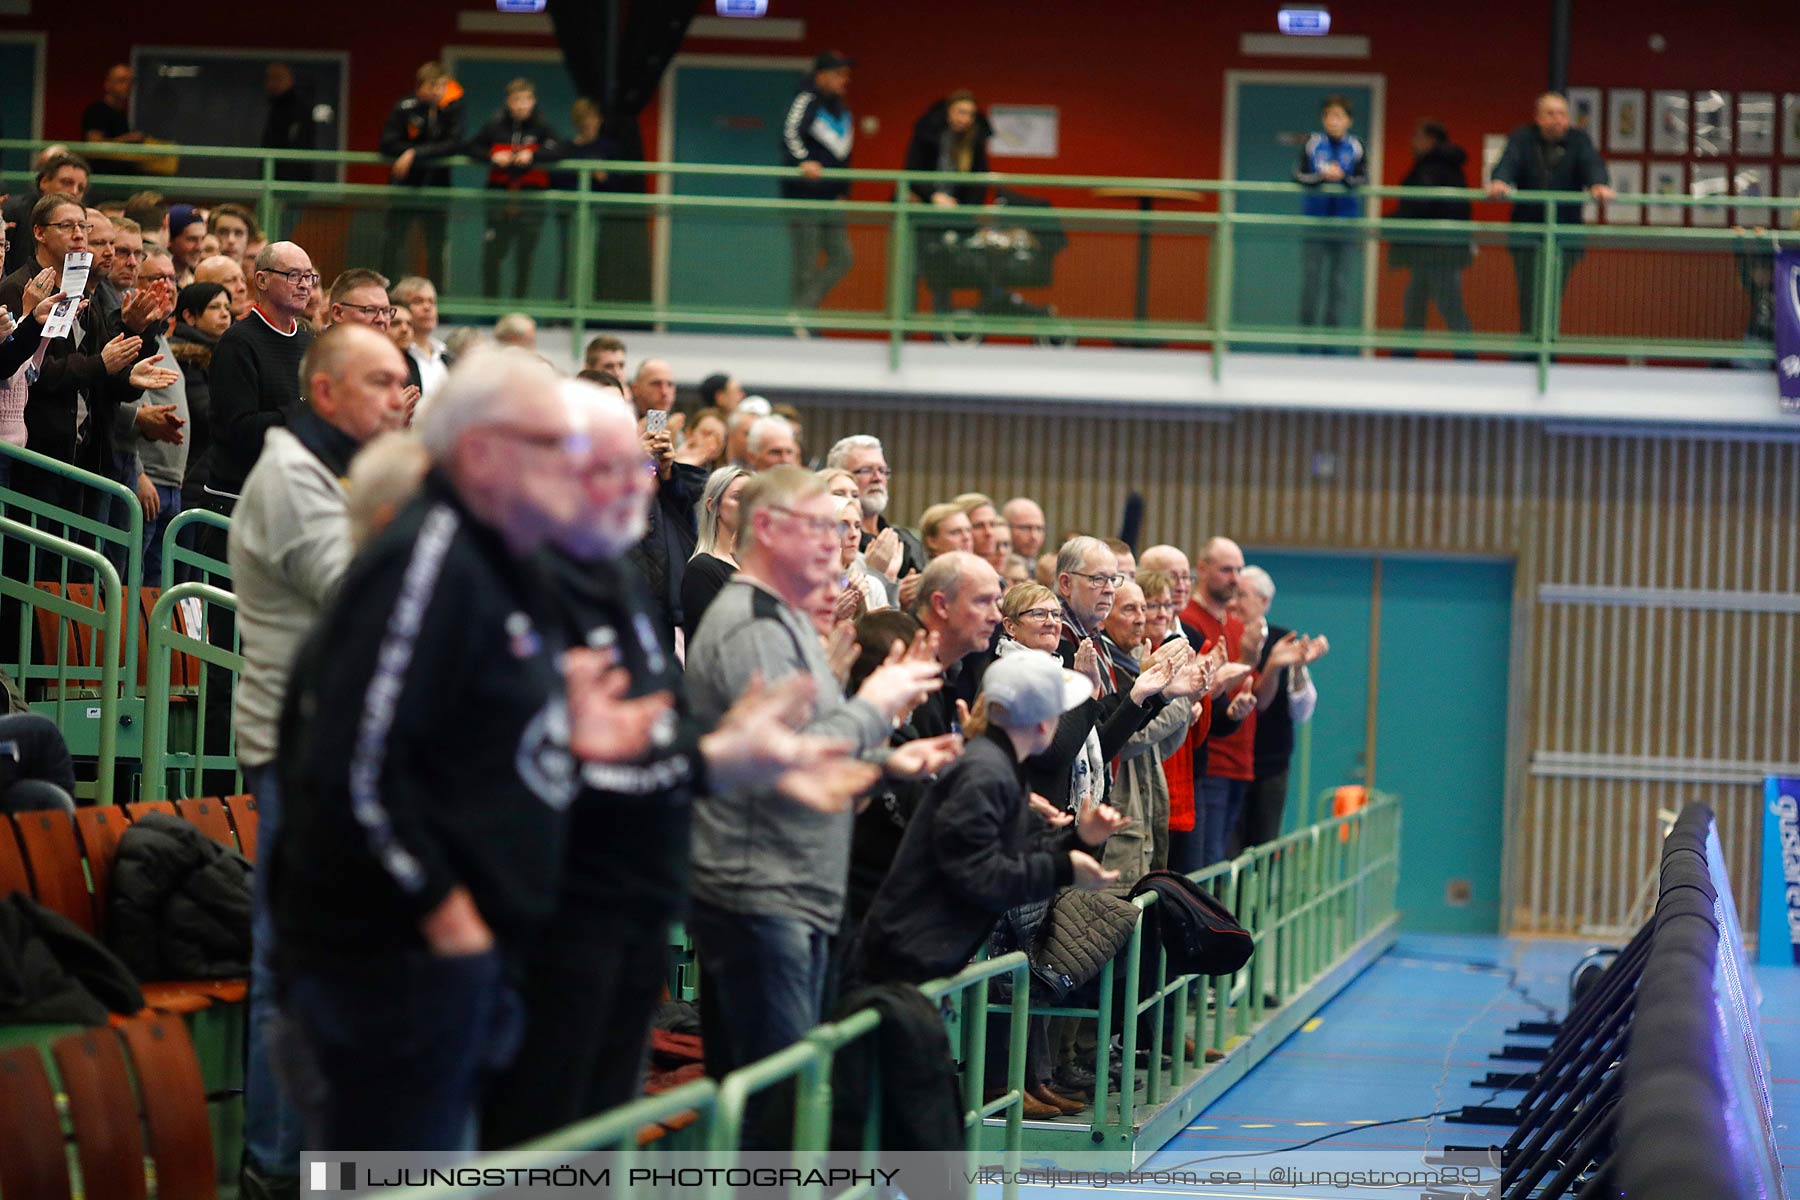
x=512, y=232
x=1263, y=809
x=590, y=996
x=433, y=221
x=1525, y=275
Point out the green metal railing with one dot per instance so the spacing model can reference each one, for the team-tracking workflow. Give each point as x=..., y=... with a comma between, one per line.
x=1660, y=291
x=120, y=544
x=715, y=1114
x=192, y=760
x=174, y=554
x=1319, y=903
x=71, y=706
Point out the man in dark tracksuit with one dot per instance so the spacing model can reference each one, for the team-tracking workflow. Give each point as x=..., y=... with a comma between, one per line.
x=594, y=975
x=426, y=768
x=422, y=129
x=1548, y=155
x=818, y=133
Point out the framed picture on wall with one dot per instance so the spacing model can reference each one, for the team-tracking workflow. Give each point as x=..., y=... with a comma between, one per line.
x=1584, y=111
x=1790, y=125
x=1627, y=179
x=1712, y=124
x=1666, y=179
x=1750, y=181
x=1790, y=183
x=1756, y=124
x=1625, y=120
x=1669, y=122
x=1709, y=181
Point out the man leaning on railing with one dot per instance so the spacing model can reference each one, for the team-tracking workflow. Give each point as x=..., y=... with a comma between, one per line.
x=1548, y=155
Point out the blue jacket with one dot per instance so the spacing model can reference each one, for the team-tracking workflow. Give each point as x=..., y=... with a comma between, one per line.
x=1319, y=150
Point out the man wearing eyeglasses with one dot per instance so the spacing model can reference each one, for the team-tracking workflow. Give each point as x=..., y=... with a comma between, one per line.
x=770, y=875
x=433, y=738
x=81, y=378
x=153, y=444
x=255, y=376
x=359, y=296
x=863, y=457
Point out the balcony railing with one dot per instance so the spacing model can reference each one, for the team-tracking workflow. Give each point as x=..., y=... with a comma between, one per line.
x=1202, y=264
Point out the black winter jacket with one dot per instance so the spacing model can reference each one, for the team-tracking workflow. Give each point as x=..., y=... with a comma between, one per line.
x=180, y=903
x=431, y=133
x=1533, y=165
x=661, y=557
x=973, y=850
x=630, y=824
x=503, y=132
x=921, y=1108
x=193, y=355
x=928, y=152
x=73, y=368
x=1439, y=167
x=51, y=972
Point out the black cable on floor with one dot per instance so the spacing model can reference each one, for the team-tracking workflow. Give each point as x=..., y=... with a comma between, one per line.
x=1490, y=968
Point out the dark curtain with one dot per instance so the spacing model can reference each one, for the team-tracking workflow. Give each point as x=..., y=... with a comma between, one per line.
x=621, y=77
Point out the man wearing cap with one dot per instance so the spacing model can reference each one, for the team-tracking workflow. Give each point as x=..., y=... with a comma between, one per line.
x=187, y=230
x=974, y=848
x=818, y=134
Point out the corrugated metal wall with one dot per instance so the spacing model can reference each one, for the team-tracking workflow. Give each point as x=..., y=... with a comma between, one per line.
x=1658, y=585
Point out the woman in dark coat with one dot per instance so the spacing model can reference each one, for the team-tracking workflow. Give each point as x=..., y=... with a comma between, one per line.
x=1436, y=260
x=202, y=314
x=952, y=135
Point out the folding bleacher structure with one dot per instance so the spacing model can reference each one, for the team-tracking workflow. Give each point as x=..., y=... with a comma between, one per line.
x=66, y=866
x=115, y=1125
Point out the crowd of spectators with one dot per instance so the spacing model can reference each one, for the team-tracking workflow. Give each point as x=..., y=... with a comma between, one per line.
x=537, y=665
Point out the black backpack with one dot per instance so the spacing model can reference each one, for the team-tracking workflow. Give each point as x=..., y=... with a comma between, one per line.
x=1199, y=934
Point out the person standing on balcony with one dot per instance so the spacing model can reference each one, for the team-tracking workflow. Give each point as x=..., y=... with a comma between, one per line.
x=106, y=120
x=1436, y=261
x=421, y=131
x=1333, y=156
x=817, y=135
x=1547, y=156
x=516, y=142
x=952, y=135
x=289, y=125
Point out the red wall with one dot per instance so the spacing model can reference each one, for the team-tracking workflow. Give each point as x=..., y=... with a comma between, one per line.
x=1139, y=83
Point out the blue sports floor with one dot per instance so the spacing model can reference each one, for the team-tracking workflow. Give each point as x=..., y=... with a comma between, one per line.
x=1408, y=1037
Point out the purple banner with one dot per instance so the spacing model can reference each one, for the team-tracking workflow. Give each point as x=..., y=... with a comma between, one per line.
x=1787, y=327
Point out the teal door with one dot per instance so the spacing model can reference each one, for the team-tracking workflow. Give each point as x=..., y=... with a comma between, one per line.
x=1272, y=124
x=1441, y=739
x=1440, y=713
x=484, y=83
x=19, y=85
x=725, y=258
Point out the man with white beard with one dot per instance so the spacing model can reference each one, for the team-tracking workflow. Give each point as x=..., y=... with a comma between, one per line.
x=593, y=974
x=862, y=456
